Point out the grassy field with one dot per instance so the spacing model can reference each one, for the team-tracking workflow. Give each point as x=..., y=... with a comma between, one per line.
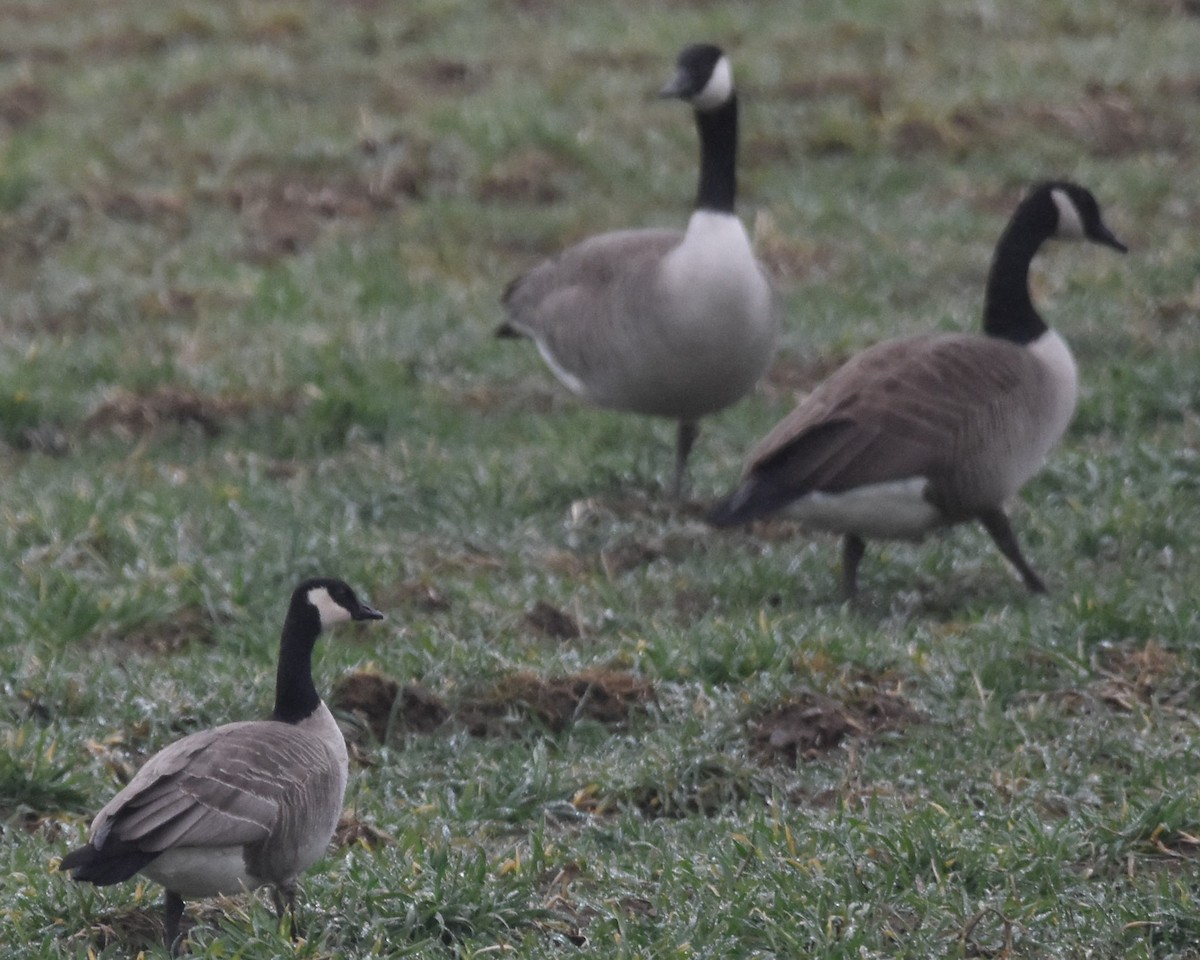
x=250, y=263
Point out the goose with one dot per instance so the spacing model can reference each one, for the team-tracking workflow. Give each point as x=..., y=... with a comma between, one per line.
x=924, y=432
x=657, y=321
x=242, y=805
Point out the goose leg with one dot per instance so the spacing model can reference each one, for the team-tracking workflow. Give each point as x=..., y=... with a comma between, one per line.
x=853, y=549
x=686, y=436
x=996, y=524
x=172, y=917
x=285, y=899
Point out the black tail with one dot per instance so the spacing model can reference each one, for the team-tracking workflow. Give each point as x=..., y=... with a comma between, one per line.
x=116, y=862
x=755, y=497
x=732, y=509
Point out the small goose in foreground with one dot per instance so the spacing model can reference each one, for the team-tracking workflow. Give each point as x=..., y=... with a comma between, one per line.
x=928, y=431
x=242, y=805
x=653, y=321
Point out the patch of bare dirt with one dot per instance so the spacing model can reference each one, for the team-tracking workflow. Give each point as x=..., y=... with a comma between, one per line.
x=135, y=929
x=138, y=414
x=815, y=723
x=865, y=88
x=383, y=705
x=1132, y=676
x=448, y=75
x=415, y=595
x=283, y=212
x=162, y=208
x=353, y=832
x=607, y=696
x=550, y=621
x=182, y=630
x=527, y=177
x=22, y=104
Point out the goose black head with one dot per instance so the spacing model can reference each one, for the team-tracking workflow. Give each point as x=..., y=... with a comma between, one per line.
x=703, y=77
x=334, y=601
x=1078, y=214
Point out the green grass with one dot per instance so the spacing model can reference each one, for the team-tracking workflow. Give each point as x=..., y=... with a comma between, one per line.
x=250, y=262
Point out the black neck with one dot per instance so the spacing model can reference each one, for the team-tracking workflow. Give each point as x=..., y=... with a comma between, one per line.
x=1008, y=311
x=295, y=695
x=718, y=130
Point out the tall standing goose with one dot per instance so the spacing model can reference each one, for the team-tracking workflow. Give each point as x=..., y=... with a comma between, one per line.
x=241, y=805
x=919, y=433
x=655, y=321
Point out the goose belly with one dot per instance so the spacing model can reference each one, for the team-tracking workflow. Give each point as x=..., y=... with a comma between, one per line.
x=707, y=332
x=896, y=510
x=202, y=871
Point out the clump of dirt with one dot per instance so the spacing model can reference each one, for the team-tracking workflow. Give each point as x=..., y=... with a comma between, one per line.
x=1132, y=676
x=167, y=208
x=137, y=414
x=416, y=595
x=22, y=104
x=136, y=930
x=353, y=832
x=382, y=704
x=284, y=211
x=190, y=626
x=607, y=696
x=549, y=620
x=528, y=177
x=442, y=74
x=815, y=723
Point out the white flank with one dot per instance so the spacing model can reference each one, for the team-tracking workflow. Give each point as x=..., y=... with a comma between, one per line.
x=888, y=511
x=718, y=89
x=565, y=376
x=1070, y=223
x=201, y=871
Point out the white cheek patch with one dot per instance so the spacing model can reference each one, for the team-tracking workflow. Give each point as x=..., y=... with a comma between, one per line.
x=329, y=610
x=1070, y=223
x=718, y=89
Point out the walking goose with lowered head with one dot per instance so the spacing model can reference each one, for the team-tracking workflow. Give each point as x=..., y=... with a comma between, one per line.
x=656, y=321
x=242, y=805
x=924, y=432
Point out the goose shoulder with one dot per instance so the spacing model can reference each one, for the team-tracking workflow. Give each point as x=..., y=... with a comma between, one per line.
x=906, y=408
x=223, y=787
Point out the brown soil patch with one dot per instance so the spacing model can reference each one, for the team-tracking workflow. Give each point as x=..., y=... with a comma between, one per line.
x=527, y=177
x=607, y=696
x=22, y=104
x=549, y=620
x=283, y=212
x=353, y=832
x=815, y=723
x=383, y=705
x=415, y=595
x=865, y=88
x=164, y=208
x=1132, y=676
x=446, y=75
x=183, y=629
x=138, y=414
x=135, y=930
